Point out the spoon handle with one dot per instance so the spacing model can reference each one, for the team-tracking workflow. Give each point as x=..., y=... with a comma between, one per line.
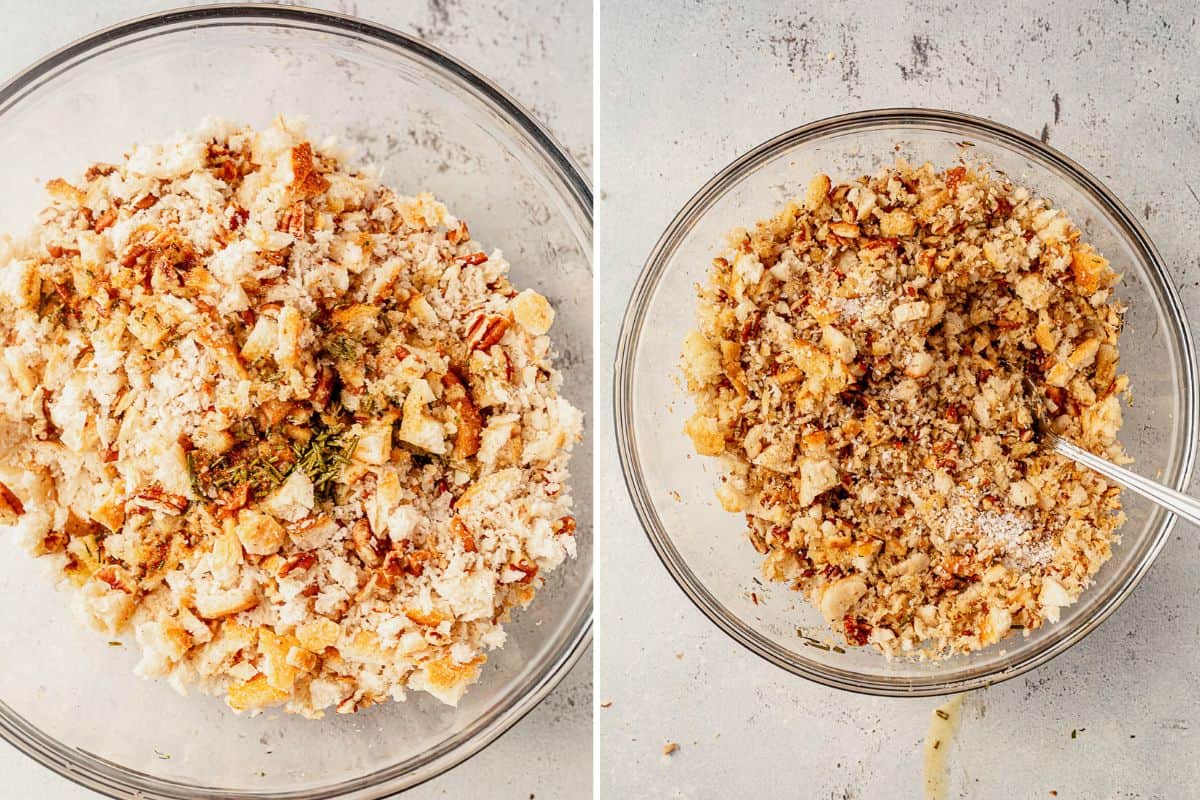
x=1173, y=501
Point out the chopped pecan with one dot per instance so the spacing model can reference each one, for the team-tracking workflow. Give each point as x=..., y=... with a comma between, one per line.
x=294, y=220
x=458, y=234
x=1058, y=396
x=474, y=258
x=298, y=561
x=235, y=501
x=486, y=331
x=117, y=578
x=54, y=542
x=954, y=176
x=155, y=498
x=364, y=543
x=857, y=630
x=133, y=254
x=750, y=327
x=463, y=533
x=10, y=504
x=323, y=390
x=237, y=217
x=414, y=562
x=470, y=423
x=105, y=220
x=527, y=567
x=98, y=170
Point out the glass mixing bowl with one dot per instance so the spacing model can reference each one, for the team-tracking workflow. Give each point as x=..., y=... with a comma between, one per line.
x=705, y=549
x=67, y=698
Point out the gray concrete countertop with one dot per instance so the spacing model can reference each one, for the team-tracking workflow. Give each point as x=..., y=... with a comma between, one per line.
x=684, y=88
x=540, y=52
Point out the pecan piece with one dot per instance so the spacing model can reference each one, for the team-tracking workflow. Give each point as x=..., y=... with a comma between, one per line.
x=105, y=220
x=98, y=170
x=132, y=253
x=364, y=543
x=297, y=561
x=857, y=631
x=53, y=542
x=470, y=423
x=462, y=532
x=155, y=498
x=294, y=220
x=527, y=567
x=473, y=259
x=10, y=504
x=486, y=331
x=459, y=234
x=322, y=392
x=238, y=217
x=116, y=578
x=414, y=562
x=235, y=502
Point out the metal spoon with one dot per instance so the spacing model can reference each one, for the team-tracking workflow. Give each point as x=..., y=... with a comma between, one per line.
x=1155, y=492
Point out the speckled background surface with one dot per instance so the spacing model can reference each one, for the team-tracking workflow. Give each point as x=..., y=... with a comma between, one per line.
x=685, y=87
x=540, y=52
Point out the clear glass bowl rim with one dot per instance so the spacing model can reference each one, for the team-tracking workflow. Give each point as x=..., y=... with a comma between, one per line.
x=112, y=779
x=631, y=331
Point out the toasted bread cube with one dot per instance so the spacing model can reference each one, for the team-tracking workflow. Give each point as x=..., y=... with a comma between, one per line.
x=1091, y=271
x=254, y=695
x=214, y=603
x=259, y=533
x=838, y=597
x=706, y=434
x=818, y=192
x=318, y=634
x=532, y=312
x=294, y=499
x=897, y=223
x=280, y=674
x=446, y=679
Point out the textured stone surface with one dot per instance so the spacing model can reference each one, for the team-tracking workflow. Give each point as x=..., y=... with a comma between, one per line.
x=540, y=52
x=686, y=87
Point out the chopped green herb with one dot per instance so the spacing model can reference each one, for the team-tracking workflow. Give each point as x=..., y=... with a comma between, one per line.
x=942, y=714
x=192, y=478
x=343, y=348
x=323, y=456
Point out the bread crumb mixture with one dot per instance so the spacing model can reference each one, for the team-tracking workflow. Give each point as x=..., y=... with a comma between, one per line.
x=858, y=369
x=296, y=432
